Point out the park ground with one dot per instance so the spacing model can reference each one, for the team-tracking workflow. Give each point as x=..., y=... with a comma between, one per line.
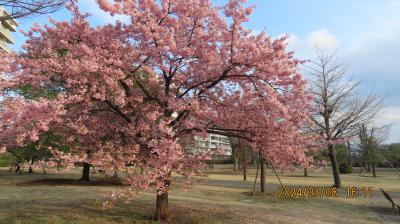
x=58, y=198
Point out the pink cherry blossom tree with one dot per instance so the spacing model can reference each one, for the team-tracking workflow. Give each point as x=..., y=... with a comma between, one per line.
x=133, y=93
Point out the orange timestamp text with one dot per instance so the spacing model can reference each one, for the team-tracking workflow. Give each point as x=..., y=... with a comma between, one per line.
x=302, y=192
x=319, y=192
x=353, y=192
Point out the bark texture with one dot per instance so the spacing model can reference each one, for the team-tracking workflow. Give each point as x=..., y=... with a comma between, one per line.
x=335, y=167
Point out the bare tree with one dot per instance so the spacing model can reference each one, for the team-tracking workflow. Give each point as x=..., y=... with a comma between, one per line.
x=368, y=146
x=23, y=8
x=340, y=107
x=235, y=144
x=241, y=151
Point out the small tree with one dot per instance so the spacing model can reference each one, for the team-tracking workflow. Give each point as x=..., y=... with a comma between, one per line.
x=369, y=146
x=38, y=151
x=246, y=154
x=235, y=145
x=391, y=154
x=241, y=154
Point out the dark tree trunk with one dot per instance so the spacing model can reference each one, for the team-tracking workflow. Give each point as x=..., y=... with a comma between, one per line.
x=255, y=179
x=245, y=173
x=254, y=159
x=30, y=166
x=163, y=213
x=18, y=169
x=350, y=156
x=245, y=165
x=305, y=172
x=235, y=161
x=262, y=176
x=368, y=167
x=30, y=170
x=373, y=169
x=335, y=168
x=85, y=172
x=210, y=164
x=115, y=174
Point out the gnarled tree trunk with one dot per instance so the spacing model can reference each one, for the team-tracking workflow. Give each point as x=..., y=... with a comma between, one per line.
x=163, y=213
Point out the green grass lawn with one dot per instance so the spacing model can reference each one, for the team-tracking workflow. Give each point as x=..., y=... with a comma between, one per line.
x=224, y=198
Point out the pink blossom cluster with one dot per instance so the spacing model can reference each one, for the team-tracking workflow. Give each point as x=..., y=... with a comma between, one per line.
x=131, y=93
x=22, y=120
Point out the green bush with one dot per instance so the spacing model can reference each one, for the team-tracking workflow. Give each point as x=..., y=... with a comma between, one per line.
x=5, y=160
x=345, y=168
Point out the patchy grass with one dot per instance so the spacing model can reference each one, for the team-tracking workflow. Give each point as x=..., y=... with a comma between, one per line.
x=58, y=198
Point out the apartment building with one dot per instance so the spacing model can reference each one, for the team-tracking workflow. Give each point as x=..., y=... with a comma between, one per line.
x=214, y=142
x=7, y=27
x=211, y=142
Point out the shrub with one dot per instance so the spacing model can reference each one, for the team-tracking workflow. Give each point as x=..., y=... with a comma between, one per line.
x=5, y=160
x=345, y=168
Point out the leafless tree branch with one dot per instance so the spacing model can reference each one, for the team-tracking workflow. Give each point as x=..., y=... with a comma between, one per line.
x=24, y=8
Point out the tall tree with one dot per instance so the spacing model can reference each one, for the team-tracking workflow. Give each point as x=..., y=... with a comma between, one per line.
x=182, y=68
x=340, y=108
x=24, y=8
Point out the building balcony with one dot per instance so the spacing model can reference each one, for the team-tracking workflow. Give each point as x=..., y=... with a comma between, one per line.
x=5, y=33
x=4, y=45
x=10, y=24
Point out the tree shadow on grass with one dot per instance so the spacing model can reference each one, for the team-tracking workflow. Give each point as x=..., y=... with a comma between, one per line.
x=73, y=182
x=85, y=210
x=80, y=212
x=387, y=212
x=302, y=176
